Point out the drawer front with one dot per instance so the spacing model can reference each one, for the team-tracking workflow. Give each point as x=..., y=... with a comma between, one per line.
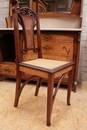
x=57, y=44
x=8, y=69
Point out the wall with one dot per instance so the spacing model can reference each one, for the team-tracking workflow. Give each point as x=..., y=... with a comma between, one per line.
x=83, y=46
x=4, y=12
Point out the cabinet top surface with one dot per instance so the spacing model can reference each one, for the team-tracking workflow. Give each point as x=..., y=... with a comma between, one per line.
x=47, y=29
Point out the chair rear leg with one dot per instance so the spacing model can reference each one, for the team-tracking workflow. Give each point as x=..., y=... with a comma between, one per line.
x=38, y=86
x=17, y=92
x=69, y=87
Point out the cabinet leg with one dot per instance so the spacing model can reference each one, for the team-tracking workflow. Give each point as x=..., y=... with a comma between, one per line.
x=1, y=78
x=74, y=86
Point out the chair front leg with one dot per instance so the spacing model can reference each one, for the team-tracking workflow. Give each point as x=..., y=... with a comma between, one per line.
x=50, y=98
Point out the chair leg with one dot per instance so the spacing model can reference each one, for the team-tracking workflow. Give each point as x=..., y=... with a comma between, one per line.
x=69, y=87
x=17, y=92
x=50, y=98
x=38, y=86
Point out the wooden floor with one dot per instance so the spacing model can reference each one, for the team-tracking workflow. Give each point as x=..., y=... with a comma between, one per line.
x=31, y=111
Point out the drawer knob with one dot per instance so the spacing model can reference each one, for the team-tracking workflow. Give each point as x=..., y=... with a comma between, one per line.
x=47, y=47
x=47, y=37
x=8, y=70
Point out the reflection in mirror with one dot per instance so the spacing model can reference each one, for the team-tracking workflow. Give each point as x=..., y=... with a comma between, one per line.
x=55, y=6
x=23, y=3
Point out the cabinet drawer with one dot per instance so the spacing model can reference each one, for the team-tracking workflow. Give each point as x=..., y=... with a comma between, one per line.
x=8, y=68
x=57, y=44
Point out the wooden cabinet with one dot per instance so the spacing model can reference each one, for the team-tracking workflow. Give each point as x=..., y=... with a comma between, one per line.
x=58, y=42
x=59, y=45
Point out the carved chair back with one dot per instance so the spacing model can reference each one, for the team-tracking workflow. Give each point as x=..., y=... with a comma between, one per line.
x=29, y=21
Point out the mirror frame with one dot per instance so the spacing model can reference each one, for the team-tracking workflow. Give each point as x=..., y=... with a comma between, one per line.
x=76, y=9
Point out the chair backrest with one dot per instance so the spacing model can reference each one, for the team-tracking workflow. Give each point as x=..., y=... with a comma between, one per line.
x=29, y=21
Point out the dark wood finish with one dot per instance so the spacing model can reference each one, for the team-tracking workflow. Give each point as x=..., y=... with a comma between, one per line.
x=39, y=67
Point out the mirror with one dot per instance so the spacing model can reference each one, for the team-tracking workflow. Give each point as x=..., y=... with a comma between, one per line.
x=61, y=6
x=50, y=7
x=23, y=3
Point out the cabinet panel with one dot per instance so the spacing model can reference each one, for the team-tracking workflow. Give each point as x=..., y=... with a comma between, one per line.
x=8, y=68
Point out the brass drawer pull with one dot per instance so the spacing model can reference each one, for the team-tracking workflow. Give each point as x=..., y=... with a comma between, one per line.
x=47, y=47
x=8, y=70
x=47, y=37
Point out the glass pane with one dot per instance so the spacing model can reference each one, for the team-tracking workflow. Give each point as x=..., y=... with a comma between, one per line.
x=23, y=3
x=54, y=5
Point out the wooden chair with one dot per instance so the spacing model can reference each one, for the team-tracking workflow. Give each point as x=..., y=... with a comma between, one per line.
x=41, y=68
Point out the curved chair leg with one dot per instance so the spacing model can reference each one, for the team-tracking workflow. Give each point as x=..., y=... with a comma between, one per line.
x=58, y=85
x=69, y=87
x=19, y=88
